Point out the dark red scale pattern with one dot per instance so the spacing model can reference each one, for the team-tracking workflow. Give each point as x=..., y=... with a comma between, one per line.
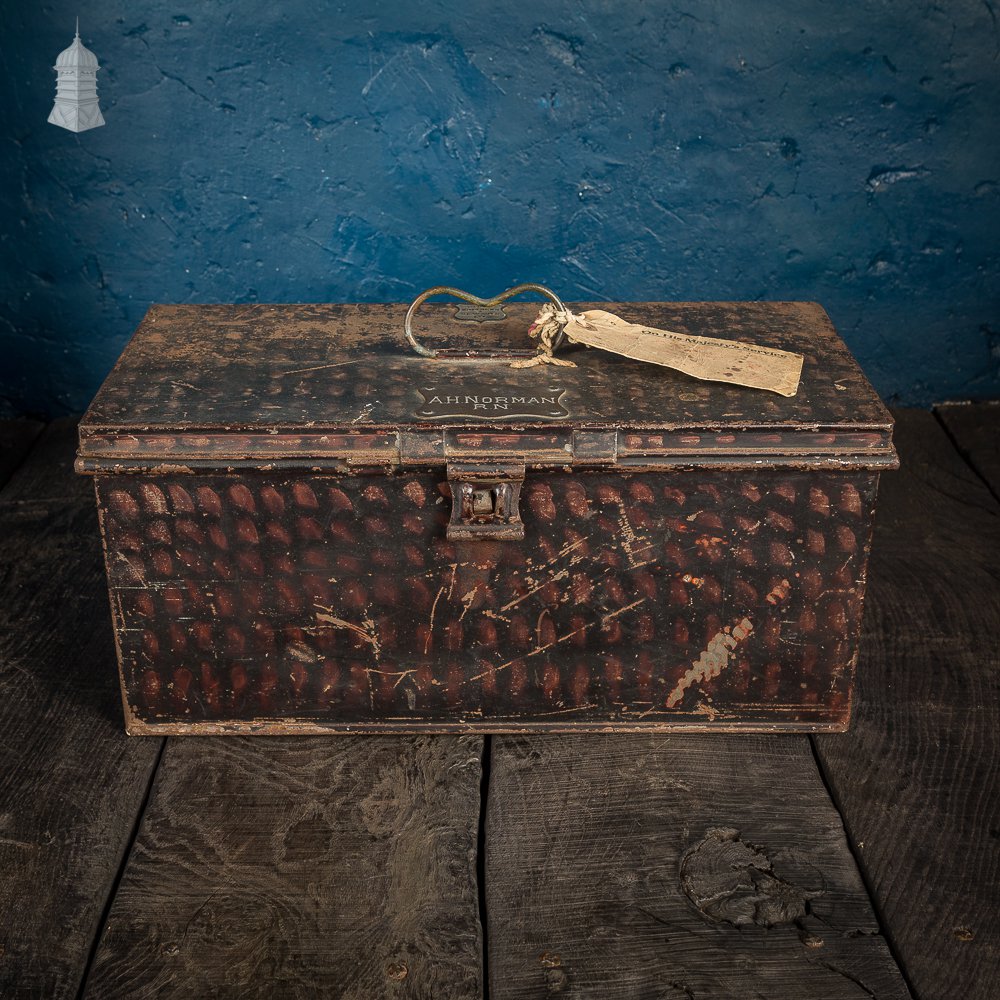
x=338, y=598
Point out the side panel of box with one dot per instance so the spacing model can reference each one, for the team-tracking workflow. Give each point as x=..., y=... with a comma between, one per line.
x=289, y=602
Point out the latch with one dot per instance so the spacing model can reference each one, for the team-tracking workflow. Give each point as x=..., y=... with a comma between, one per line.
x=485, y=499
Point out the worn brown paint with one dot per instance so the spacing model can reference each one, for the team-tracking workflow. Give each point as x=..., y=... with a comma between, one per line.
x=283, y=555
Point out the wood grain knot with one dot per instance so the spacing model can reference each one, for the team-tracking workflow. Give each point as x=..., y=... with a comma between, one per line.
x=730, y=881
x=556, y=979
x=396, y=971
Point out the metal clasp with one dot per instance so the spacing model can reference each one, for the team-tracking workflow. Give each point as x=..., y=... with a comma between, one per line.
x=485, y=498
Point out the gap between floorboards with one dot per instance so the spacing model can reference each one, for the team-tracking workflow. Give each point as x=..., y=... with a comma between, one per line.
x=122, y=868
x=963, y=454
x=484, y=794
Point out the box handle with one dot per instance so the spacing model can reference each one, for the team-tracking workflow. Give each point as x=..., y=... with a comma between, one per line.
x=429, y=352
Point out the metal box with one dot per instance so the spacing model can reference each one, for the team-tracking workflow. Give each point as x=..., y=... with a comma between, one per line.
x=309, y=528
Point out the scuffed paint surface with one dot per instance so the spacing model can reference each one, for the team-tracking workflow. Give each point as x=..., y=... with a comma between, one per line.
x=698, y=598
x=304, y=152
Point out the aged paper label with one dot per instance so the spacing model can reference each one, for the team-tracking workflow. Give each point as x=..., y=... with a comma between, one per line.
x=701, y=357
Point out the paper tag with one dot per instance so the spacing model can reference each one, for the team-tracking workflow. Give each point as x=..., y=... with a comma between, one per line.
x=701, y=357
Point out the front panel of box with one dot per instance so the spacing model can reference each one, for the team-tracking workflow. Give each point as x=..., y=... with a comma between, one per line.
x=276, y=602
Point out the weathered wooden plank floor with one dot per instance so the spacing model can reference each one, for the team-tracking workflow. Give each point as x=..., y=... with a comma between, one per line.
x=600, y=867
x=918, y=777
x=301, y=868
x=71, y=787
x=694, y=866
x=16, y=439
x=972, y=428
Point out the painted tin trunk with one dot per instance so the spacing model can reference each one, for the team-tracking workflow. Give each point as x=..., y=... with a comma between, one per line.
x=310, y=529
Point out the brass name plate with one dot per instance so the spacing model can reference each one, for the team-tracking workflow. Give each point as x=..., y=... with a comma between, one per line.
x=467, y=312
x=491, y=402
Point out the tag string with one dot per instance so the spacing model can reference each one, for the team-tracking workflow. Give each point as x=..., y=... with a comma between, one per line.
x=547, y=329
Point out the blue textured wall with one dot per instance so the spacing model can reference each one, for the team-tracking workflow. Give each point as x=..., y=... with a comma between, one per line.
x=847, y=153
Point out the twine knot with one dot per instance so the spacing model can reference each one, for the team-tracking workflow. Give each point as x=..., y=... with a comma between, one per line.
x=548, y=324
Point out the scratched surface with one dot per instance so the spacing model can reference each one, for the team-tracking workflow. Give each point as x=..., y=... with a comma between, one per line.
x=656, y=599
x=317, y=366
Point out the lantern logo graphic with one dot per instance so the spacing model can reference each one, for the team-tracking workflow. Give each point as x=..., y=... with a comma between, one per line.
x=76, y=106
